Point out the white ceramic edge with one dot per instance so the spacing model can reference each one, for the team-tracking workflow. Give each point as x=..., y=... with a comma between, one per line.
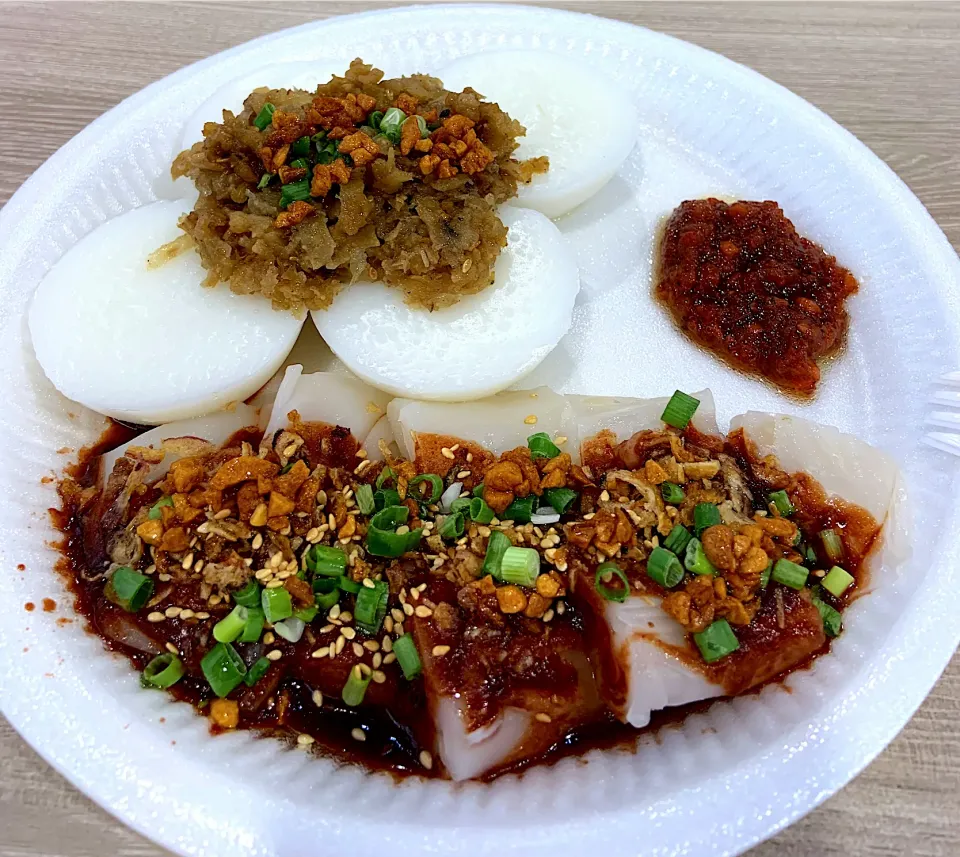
x=914, y=657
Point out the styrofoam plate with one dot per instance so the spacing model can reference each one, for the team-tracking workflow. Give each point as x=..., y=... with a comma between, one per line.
x=728, y=777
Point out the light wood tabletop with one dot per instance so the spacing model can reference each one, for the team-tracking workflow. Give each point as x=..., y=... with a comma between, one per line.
x=888, y=72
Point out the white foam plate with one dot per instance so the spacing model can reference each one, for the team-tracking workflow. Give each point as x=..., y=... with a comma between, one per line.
x=727, y=778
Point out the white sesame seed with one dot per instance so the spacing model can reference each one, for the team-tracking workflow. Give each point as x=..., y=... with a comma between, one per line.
x=346, y=616
x=408, y=609
x=268, y=638
x=561, y=608
x=357, y=649
x=378, y=676
x=186, y=613
x=358, y=734
x=155, y=617
x=348, y=632
x=447, y=453
x=305, y=740
x=274, y=584
x=341, y=642
x=274, y=655
x=390, y=658
x=426, y=759
x=440, y=651
x=463, y=474
x=372, y=646
x=377, y=659
x=172, y=649
x=257, y=541
x=319, y=653
x=364, y=668
x=415, y=594
x=387, y=644
x=531, y=420
x=263, y=573
x=369, y=583
x=163, y=577
x=423, y=611
x=317, y=698
x=334, y=612
x=276, y=559
x=543, y=718
x=548, y=615
x=202, y=614
x=172, y=612
x=397, y=615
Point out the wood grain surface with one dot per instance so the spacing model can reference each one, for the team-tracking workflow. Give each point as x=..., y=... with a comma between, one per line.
x=888, y=72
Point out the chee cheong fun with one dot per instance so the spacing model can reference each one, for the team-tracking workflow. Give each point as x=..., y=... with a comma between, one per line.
x=464, y=589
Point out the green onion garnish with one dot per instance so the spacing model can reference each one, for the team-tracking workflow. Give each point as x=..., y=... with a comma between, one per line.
x=386, y=497
x=265, y=116
x=837, y=581
x=541, y=446
x=364, y=497
x=832, y=544
x=716, y=641
x=520, y=566
x=391, y=123
x=782, y=502
x=832, y=621
x=355, y=688
x=290, y=629
x=680, y=410
x=327, y=561
x=705, y=515
x=383, y=476
x=277, y=604
x=298, y=164
x=497, y=546
x=249, y=596
x=765, y=575
x=520, y=510
x=373, y=120
x=664, y=567
x=155, y=514
x=672, y=493
x=407, y=656
x=294, y=191
x=371, y=606
x=560, y=499
x=327, y=152
x=326, y=600
x=254, y=625
x=301, y=148
x=264, y=180
x=436, y=488
x=129, y=589
x=478, y=491
x=479, y=511
x=382, y=540
x=163, y=671
x=307, y=614
x=810, y=555
x=231, y=626
x=452, y=526
x=695, y=560
x=790, y=574
x=223, y=667
x=462, y=505
x=678, y=539
x=606, y=571
x=422, y=125
x=256, y=672
x=348, y=584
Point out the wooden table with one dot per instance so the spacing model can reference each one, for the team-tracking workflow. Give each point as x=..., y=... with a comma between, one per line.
x=888, y=72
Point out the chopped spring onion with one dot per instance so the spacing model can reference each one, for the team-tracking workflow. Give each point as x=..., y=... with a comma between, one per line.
x=520, y=566
x=448, y=497
x=672, y=493
x=256, y=672
x=301, y=148
x=765, y=575
x=422, y=125
x=327, y=561
x=231, y=626
x=837, y=581
x=290, y=629
x=832, y=544
x=373, y=120
x=264, y=117
x=391, y=123
x=479, y=511
x=407, y=656
x=782, y=502
x=478, y=491
x=810, y=555
x=386, y=497
x=328, y=152
x=349, y=585
x=249, y=596
x=790, y=574
x=294, y=191
x=355, y=688
x=299, y=164
x=163, y=671
x=695, y=560
x=382, y=540
x=364, y=497
x=680, y=410
x=462, y=505
x=664, y=567
x=716, y=641
x=832, y=621
x=371, y=606
x=452, y=526
x=264, y=181
x=520, y=510
x=223, y=667
x=436, y=488
x=326, y=600
x=254, y=625
x=705, y=515
x=277, y=604
x=129, y=589
x=497, y=546
x=606, y=571
x=384, y=475
x=541, y=446
x=560, y=499
x=545, y=515
x=155, y=514
x=308, y=614
x=678, y=539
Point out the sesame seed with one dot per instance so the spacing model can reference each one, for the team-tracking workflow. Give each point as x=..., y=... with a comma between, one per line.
x=268, y=638
x=378, y=676
x=387, y=644
x=423, y=611
x=276, y=559
x=447, y=453
x=531, y=420
x=186, y=613
x=163, y=577
x=274, y=655
x=463, y=474
x=364, y=668
x=357, y=649
x=341, y=642
x=369, y=583
x=357, y=734
x=469, y=458
x=317, y=698
x=202, y=614
x=415, y=594
x=257, y=541
x=408, y=609
x=172, y=649
x=331, y=521
x=372, y=646
x=561, y=608
x=604, y=496
x=440, y=651
x=172, y=612
x=305, y=740
x=390, y=658
x=274, y=584
x=388, y=624
x=560, y=440
x=548, y=615
x=377, y=660
x=397, y=614
x=334, y=612
x=326, y=629
x=398, y=629
x=346, y=616
x=263, y=573
x=150, y=569
x=320, y=653
x=543, y=718
x=426, y=759
x=155, y=617
x=348, y=632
